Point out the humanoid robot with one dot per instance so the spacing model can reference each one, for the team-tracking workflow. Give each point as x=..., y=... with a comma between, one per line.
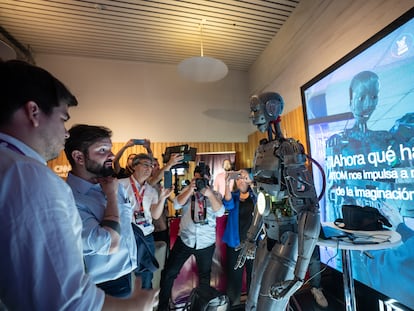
x=358, y=139
x=287, y=207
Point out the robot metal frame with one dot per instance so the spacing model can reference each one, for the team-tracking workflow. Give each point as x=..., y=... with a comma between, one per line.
x=287, y=210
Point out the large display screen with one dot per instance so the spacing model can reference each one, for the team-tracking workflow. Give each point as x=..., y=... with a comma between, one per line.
x=359, y=116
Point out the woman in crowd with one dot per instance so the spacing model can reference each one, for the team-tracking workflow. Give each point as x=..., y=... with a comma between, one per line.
x=240, y=205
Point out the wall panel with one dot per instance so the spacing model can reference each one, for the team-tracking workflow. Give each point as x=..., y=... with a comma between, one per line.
x=61, y=166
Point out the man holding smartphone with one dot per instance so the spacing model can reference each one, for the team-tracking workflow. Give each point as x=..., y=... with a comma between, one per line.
x=147, y=205
x=125, y=172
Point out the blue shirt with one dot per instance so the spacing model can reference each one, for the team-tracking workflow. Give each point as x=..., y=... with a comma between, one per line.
x=195, y=234
x=91, y=203
x=231, y=234
x=40, y=236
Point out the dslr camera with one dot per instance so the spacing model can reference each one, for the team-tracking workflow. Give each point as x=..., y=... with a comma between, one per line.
x=203, y=170
x=201, y=183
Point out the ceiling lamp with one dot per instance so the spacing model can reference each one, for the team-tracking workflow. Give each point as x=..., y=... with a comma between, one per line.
x=202, y=68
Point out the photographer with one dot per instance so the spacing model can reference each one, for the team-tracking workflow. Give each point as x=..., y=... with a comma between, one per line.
x=200, y=206
x=125, y=172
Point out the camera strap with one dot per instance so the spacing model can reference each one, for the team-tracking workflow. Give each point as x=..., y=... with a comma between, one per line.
x=199, y=210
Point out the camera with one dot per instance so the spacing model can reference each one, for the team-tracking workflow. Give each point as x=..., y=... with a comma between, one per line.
x=188, y=152
x=203, y=170
x=234, y=175
x=201, y=183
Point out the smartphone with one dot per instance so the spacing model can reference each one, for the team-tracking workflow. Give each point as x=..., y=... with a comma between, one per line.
x=139, y=141
x=167, y=179
x=234, y=175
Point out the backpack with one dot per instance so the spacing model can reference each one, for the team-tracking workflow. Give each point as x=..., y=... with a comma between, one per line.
x=207, y=298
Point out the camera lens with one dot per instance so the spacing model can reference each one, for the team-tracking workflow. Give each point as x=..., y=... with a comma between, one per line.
x=200, y=184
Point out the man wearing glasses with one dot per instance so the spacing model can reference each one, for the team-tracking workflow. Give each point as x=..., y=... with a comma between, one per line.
x=147, y=205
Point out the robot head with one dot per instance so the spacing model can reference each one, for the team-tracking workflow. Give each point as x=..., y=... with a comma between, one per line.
x=363, y=93
x=265, y=108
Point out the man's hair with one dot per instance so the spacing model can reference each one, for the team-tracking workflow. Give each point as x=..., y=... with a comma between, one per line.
x=141, y=156
x=21, y=82
x=82, y=136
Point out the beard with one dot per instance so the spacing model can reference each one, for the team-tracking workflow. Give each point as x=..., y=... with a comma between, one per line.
x=100, y=170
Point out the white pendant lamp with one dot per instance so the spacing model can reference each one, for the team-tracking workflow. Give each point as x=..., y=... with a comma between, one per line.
x=202, y=68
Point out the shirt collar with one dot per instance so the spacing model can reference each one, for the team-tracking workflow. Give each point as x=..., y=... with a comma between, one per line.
x=27, y=151
x=81, y=185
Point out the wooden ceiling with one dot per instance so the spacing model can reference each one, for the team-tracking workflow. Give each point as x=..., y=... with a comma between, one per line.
x=157, y=31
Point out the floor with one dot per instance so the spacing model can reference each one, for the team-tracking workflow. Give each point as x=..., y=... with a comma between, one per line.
x=305, y=302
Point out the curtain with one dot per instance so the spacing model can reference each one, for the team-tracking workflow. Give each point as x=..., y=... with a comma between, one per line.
x=215, y=161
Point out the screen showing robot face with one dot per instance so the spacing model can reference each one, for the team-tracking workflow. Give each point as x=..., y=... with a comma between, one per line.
x=360, y=126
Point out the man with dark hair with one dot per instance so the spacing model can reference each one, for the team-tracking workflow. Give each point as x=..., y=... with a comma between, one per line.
x=109, y=249
x=40, y=232
x=197, y=236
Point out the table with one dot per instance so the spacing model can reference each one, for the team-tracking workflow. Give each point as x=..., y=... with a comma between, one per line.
x=383, y=239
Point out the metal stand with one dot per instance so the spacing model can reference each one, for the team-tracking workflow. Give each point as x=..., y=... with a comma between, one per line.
x=349, y=288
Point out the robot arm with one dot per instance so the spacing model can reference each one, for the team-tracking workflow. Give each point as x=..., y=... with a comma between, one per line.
x=248, y=247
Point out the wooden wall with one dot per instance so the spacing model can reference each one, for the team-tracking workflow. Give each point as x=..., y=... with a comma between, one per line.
x=61, y=166
x=292, y=126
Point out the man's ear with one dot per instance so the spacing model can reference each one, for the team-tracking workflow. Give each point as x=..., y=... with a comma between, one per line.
x=78, y=157
x=33, y=112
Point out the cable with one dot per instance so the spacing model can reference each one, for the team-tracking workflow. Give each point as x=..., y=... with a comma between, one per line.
x=326, y=265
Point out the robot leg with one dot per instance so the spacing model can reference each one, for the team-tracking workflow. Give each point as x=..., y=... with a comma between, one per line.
x=260, y=263
x=281, y=268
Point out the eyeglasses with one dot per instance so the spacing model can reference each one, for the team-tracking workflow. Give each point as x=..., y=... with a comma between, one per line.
x=146, y=164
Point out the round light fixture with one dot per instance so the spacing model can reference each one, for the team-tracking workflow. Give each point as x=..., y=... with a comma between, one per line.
x=202, y=69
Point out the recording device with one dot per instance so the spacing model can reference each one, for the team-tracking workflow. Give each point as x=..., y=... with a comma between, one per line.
x=167, y=179
x=203, y=170
x=233, y=175
x=201, y=183
x=189, y=154
x=139, y=141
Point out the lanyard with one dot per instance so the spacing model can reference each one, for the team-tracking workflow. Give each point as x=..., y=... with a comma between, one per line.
x=10, y=146
x=139, y=197
x=202, y=210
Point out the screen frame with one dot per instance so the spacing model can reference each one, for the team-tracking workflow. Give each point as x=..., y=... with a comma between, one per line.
x=348, y=57
x=342, y=62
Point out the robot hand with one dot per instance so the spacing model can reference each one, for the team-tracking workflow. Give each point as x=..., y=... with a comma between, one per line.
x=248, y=251
x=285, y=289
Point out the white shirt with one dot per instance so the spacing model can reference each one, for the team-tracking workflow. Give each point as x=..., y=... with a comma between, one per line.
x=195, y=234
x=40, y=236
x=149, y=196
